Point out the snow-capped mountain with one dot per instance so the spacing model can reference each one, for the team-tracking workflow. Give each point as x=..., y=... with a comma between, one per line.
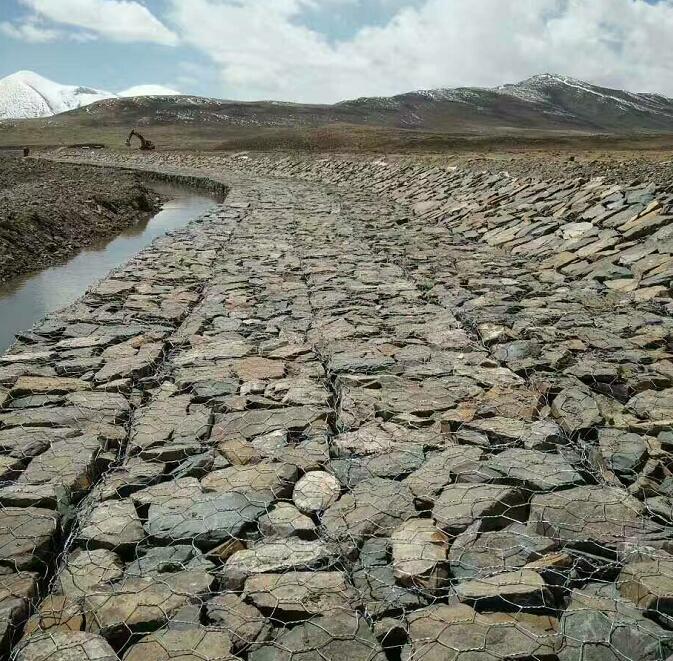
x=26, y=94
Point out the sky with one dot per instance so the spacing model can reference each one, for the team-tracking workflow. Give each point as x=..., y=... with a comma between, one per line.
x=324, y=51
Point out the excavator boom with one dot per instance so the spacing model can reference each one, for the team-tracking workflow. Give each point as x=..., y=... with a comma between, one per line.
x=145, y=145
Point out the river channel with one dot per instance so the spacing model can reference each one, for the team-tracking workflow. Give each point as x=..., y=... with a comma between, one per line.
x=28, y=298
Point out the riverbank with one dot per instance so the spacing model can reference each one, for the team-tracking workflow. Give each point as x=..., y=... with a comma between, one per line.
x=49, y=211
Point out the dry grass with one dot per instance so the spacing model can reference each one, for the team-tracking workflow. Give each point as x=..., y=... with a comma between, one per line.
x=335, y=138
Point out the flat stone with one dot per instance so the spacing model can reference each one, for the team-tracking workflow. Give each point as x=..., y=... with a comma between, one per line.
x=262, y=483
x=188, y=644
x=16, y=593
x=55, y=612
x=501, y=430
x=440, y=470
x=460, y=505
x=392, y=465
x=543, y=435
x=575, y=409
x=139, y=364
x=205, y=521
x=86, y=569
x=285, y=520
x=27, y=537
x=211, y=351
x=649, y=584
x=514, y=589
x=167, y=419
x=248, y=424
x=382, y=595
x=315, y=492
x=142, y=604
x=113, y=525
x=175, y=493
x=604, y=627
x=419, y=551
x=337, y=636
x=69, y=463
x=244, y=624
x=161, y=559
x=66, y=646
x=257, y=368
x=374, y=507
x=26, y=443
x=475, y=554
x=623, y=452
x=378, y=439
x=133, y=475
x=451, y=633
x=278, y=556
x=45, y=385
x=652, y=404
x=299, y=595
x=540, y=471
x=598, y=516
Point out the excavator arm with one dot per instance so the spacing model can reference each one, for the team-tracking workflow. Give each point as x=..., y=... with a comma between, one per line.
x=145, y=145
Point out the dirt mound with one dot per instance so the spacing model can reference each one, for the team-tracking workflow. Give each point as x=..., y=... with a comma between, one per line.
x=48, y=211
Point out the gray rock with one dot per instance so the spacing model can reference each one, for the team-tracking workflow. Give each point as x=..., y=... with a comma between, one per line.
x=514, y=589
x=299, y=595
x=597, y=516
x=244, y=624
x=279, y=556
x=450, y=633
x=27, y=537
x=460, y=505
x=186, y=643
x=476, y=554
x=419, y=551
x=439, y=470
x=624, y=453
x=315, y=492
x=65, y=646
x=540, y=471
x=337, y=636
x=575, y=409
x=206, y=521
x=598, y=627
x=374, y=507
x=285, y=520
x=114, y=525
x=652, y=404
x=142, y=604
x=86, y=569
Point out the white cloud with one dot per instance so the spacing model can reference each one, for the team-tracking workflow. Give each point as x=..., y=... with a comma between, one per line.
x=117, y=20
x=149, y=90
x=29, y=32
x=262, y=50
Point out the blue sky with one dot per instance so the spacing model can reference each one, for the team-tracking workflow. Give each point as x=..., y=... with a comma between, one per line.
x=326, y=50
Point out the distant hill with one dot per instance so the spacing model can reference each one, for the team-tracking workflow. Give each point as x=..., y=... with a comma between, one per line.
x=545, y=103
x=26, y=94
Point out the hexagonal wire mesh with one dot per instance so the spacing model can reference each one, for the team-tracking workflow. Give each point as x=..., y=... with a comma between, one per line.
x=314, y=425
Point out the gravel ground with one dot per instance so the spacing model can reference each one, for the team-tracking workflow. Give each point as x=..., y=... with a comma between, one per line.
x=48, y=211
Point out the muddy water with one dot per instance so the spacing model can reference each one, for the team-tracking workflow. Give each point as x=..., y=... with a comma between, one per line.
x=26, y=299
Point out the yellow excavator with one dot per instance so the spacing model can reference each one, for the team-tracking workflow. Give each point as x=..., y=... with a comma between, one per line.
x=145, y=145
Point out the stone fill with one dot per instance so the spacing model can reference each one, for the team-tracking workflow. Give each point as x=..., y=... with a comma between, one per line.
x=359, y=410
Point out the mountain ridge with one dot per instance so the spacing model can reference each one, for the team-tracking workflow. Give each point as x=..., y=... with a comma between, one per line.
x=544, y=102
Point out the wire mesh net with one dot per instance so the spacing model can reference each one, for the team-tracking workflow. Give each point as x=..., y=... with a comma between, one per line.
x=314, y=425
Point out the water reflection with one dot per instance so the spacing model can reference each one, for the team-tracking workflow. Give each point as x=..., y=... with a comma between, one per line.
x=25, y=300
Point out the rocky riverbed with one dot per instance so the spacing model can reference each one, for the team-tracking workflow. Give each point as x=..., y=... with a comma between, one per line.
x=49, y=211
x=358, y=411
